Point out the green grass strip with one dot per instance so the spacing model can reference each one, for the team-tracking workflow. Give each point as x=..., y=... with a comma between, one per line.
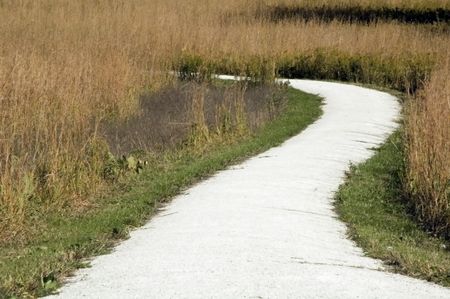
x=370, y=202
x=38, y=268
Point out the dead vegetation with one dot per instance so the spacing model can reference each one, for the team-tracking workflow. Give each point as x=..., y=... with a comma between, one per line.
x=428, y=152
x=70, y=69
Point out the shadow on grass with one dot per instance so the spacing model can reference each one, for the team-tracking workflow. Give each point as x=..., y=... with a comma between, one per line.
x=355, y=14
x=164, y=118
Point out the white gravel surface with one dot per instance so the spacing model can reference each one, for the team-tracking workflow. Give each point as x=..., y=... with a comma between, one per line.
x=265, y=228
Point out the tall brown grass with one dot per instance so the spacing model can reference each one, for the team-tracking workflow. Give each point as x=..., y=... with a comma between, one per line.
x=428, y=152
x=65, y=66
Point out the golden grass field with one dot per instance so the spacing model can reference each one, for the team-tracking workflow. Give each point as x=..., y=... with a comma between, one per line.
x=67, y=66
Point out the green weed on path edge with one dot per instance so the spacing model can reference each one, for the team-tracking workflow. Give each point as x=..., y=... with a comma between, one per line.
x=40, y=267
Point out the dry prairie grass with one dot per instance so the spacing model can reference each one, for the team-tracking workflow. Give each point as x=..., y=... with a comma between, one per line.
x=428, y=152
x=66, y=66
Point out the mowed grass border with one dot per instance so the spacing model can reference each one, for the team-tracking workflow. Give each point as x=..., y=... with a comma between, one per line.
x=372, y=204
x=40, y=267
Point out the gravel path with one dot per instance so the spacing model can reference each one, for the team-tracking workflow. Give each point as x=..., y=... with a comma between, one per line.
x=265, y=228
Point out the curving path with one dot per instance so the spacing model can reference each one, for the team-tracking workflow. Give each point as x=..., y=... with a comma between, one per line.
x=265, y=228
